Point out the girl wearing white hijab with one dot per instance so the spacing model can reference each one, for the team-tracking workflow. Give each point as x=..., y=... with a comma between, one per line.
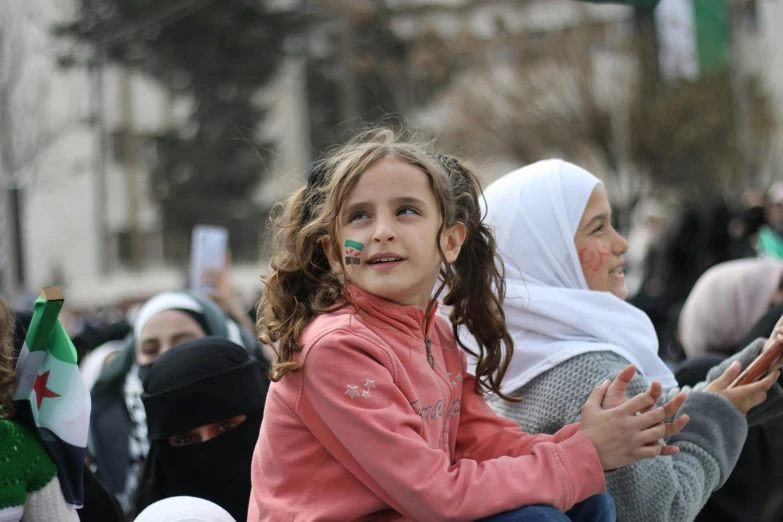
x=184, y=509
x=572, y=329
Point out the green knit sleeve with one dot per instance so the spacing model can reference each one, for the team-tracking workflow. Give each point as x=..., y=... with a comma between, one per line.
x=24, y=464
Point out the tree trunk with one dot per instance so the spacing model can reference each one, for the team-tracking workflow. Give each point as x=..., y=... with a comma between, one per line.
x=9, y=241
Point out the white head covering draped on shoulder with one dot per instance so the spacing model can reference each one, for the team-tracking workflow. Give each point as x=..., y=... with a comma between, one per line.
x=551, y=314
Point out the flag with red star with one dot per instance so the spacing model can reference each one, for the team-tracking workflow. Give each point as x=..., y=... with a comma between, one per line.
x=51, y=394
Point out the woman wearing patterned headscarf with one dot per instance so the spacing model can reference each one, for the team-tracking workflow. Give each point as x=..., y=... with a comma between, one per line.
x=118, y=431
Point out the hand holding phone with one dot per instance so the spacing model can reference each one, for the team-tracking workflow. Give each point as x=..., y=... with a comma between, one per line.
x=761, y=365
x=207, y=253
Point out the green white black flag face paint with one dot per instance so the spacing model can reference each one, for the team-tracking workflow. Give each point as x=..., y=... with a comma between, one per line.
x=50, y=388
x=353, y=252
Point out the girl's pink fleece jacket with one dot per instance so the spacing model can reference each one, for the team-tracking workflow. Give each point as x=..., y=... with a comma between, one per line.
x=368, y=430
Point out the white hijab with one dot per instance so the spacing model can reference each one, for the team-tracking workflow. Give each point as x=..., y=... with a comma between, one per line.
x=184, y=509
x=91, y=367
x=173, y=301
x=551, y=314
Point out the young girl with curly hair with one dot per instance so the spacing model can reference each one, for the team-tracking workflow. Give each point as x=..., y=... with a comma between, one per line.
x=372, y=415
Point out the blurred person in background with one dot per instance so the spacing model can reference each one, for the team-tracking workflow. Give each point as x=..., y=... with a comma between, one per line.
x=94, y=334
x=93, y=364
x=226, y=297
x=645, y=238
x=752, y=491
x=86, y=335
x=733, y=304
x=746, y=224
x=647, y=267
x=726, y=302
x=204, y=401
x=118, y=432
x=771, y=235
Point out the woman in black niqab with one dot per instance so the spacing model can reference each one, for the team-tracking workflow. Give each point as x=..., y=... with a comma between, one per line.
x=204, y=401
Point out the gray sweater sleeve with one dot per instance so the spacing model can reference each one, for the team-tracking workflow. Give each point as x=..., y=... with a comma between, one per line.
x=664, y=489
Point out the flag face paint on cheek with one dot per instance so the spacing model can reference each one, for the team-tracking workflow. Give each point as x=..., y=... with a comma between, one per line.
x=353, y=252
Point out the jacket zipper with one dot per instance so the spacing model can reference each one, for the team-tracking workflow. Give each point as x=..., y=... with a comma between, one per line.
x=431, y=359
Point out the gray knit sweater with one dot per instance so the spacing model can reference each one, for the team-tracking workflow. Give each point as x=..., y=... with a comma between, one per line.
x=664, y=489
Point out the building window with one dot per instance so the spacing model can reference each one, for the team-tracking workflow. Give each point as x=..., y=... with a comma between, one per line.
x=750, y=14
x=126, y=253
x=245, y=238
x=129, y=148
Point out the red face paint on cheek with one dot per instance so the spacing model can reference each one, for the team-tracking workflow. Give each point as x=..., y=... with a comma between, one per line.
x=586, y=257
x=593, y=258
x=603, y=252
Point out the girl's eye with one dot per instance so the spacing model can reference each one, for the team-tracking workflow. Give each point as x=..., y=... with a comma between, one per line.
x=600, y=227
x=356, y=215
x=407, y=210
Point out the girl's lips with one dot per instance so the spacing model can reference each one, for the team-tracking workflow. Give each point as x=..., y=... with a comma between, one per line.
x=385, y=267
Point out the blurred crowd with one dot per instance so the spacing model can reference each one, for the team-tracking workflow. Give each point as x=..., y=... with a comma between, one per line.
x=671, y=248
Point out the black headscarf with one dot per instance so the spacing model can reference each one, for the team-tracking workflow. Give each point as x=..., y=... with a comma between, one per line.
x=194, y=384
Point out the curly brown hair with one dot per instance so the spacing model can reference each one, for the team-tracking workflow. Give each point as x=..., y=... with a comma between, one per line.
x=7, y=374
x=301, y=284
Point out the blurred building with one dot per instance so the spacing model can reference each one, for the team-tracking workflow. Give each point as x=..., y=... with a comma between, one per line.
x=761, y=55
x=85, y=194
x=696, y=38
x=505, y=33
x=87, y=190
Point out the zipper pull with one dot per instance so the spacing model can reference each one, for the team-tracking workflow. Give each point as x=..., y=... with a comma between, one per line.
x=430, y=358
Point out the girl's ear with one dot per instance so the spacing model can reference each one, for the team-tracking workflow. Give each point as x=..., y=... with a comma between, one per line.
x=334, y=258
x=452, y=240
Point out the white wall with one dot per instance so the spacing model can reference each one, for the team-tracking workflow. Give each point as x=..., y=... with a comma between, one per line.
x=57, y=219
x=287, y=126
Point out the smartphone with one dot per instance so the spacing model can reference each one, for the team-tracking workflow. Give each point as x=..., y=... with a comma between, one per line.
x=207, y=252
x=759, y=367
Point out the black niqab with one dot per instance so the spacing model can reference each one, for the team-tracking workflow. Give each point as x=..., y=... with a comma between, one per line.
x=194, y=384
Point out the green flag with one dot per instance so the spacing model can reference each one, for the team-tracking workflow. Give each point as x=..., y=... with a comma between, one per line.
x=694, y=38
x=51, y=393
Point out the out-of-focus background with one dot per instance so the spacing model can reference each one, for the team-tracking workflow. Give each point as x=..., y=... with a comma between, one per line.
x=125, y=123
